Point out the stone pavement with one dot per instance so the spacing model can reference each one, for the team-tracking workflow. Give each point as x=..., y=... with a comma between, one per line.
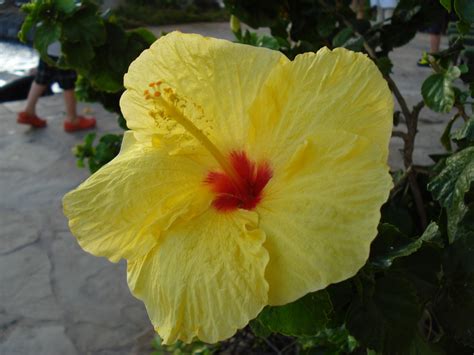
x=54, y=298
x=57, y=299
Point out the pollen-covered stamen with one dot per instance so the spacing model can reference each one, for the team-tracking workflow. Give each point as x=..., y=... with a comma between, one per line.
x=241, y=182
x=169, y=106
x=244, y=193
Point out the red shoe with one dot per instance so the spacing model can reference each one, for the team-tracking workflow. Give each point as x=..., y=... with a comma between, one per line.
x=32, y=120
x=82, y=124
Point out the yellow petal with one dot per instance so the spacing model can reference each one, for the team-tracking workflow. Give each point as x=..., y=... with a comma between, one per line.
x=337, y=89
x=205, y=279
x=120, y=211
x=320, y=213
x=219, y=77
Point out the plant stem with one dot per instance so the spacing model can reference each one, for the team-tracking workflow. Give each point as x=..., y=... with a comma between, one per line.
x=461, y=111
x=412, y=127
x=399, y=134
x=411, y=119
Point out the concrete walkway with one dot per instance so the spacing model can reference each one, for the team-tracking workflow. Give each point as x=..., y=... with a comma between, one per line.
x=55, y=298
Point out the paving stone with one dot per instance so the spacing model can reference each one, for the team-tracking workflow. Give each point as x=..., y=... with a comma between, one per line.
x=17, y=231
x=28, y=157
x=95, y=339
x=43, y=339
x=86, y=286
x=14, y=106
x=25, y=287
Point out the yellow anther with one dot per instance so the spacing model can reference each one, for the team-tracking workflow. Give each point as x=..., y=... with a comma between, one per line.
x=151, y=85
x=169, y=108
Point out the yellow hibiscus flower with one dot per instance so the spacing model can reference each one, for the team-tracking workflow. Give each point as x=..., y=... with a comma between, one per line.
x=246, y=180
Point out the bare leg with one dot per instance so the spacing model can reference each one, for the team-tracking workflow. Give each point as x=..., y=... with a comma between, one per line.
x=73, y=122
x=70, y=101
x=435, y=41
x=34, y=94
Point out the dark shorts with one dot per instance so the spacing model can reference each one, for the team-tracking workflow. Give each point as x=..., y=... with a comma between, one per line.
x=47, y=74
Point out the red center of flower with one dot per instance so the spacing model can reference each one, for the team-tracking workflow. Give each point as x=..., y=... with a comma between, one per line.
x=244, y=189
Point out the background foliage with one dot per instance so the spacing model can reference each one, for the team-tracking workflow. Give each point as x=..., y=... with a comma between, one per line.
x=415, y=295
x=162, y=12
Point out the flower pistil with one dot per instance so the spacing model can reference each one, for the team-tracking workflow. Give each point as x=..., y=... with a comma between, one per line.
x=242, y=181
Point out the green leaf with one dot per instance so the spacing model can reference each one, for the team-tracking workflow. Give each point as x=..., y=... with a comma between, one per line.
x=385, y=318
x=450, y=186
x=391, y=244
x=46, y=33
x=446, y=136
x=385, y=65
x=66, y=6
x=465, y=10
x=78, y=56
x=329, y=341
x=466, y=133
x=259, y=329
x=268, y=42
x=453, y=73
x=420, y=346
x=462, y=251
x=446, y=4
x=326, y=24
x=461, y=96
x=422, y=268
x=89, y=140
x=26, y=28
x=455, y=307
x=32, y=9
x=355, y=44
x=86, y=27
x=122, y=122
x=147, y=36
x=438, y=92
x=463, y=27
x=342, y=37
x=107, y=148
x=399, y=215
x=457, y=317
x=463, y=68
x=107, y=81
x=235, y=25
x=305, y=316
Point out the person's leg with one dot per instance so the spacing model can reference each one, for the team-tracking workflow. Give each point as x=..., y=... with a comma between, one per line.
x=38, y=87
x=72, y=122
x=36, y=90
x=71, y=108
x=435, y=41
